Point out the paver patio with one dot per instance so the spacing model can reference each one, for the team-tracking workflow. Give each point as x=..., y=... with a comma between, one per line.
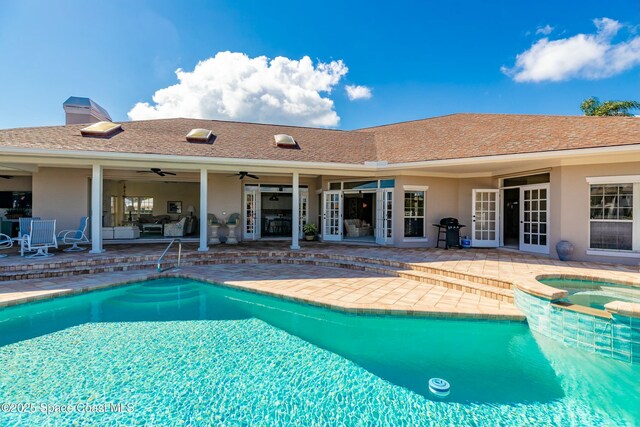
x=340, y=288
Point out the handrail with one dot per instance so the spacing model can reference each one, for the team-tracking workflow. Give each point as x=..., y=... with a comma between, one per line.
x=177, y=267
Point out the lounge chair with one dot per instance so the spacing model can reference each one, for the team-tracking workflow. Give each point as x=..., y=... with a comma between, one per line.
x=74, y=237
x=41, y=238
x=5, y=243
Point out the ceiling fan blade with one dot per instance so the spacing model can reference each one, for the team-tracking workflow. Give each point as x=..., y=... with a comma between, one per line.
x=253, y=176
x=6, y=176
x=161, y=173
x=168, y=173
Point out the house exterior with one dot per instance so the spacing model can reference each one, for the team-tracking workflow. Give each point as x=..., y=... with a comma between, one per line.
x=519, y=181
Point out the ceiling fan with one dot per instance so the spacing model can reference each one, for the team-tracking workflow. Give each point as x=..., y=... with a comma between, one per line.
x=157, y=171
x=242, y=175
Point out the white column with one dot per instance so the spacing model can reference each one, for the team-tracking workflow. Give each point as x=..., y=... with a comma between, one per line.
x=295, y=212
x=96, y=210
x=204, y=227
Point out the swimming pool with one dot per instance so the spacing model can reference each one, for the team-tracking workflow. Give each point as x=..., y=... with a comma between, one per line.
x=174, y=351
x=594, y=294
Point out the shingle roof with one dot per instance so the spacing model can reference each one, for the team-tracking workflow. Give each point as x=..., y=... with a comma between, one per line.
x=447, y=137
x=474, y=135
x=232, y=140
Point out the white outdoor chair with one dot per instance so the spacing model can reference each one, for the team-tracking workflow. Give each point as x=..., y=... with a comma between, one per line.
x=74, y=237
x=41, y=238
x=24, y=229
x=5, y=243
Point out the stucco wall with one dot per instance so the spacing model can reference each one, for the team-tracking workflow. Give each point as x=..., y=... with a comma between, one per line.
x=573, y=220
x=61, y=194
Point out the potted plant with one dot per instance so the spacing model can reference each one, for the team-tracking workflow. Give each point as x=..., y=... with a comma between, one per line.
x=309, y=231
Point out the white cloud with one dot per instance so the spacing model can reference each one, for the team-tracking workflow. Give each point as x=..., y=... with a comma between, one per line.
x=233, y=86
x=358, y=92
x=589, y=56
x=545, y=31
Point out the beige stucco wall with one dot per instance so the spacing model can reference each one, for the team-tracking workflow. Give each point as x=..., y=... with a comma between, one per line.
x=571, y=210
x=61, y=194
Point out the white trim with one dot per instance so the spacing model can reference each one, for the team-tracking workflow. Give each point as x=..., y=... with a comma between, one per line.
x=204, y=210
x=415, y=187
x=415, y=240
x=621, y=179
x=614, y=253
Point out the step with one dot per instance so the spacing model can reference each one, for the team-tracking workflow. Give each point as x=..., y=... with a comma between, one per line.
x=451, y=280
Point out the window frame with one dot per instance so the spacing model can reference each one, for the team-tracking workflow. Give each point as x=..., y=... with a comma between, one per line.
x=415, y=189
x=633, y=180
x=137, y=204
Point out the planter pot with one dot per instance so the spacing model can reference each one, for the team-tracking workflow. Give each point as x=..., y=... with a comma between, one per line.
x=564, y=249
x=309, y=237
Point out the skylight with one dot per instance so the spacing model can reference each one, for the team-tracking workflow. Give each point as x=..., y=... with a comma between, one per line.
x=199, y=135
x=101, y=129
x=285, y=141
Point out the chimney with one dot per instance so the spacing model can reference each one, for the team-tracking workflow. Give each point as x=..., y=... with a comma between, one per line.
x=83, y=110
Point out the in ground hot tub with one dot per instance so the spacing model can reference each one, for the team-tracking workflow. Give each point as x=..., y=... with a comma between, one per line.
x=595, y=315
x=593, y=293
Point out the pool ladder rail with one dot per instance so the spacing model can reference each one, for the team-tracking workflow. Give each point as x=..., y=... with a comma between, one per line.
x=177, y=266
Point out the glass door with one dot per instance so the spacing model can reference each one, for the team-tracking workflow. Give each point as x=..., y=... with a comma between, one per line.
x=484, y=219
x=332, y=216
x=534, y=218
x=384, y=216
x=303, y=209
x=251, y=230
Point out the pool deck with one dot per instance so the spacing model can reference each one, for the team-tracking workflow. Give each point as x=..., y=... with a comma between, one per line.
x=475, y=283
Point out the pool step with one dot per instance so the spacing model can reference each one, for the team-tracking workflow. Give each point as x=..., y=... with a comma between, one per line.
x=486, y=287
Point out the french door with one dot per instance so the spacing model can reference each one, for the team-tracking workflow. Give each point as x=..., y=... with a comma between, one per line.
x=303, y=209
x=250, y=229
x=485, y=218
x=534, y=218
x=384, y=216
x=332, y=215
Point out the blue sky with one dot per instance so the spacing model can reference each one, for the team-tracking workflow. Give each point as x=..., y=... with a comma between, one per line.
x=417, y=59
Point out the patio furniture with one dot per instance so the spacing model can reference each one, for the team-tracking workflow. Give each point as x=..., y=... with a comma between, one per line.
x=74, y=237
x=41, y=237
x=175, y=229
x=152, y=228
x=107, y=233
x=130, y=232
x=233, y=221
x=6, y=242
x=357, y=228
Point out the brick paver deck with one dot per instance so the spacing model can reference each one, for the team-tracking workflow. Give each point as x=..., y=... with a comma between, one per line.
x=340, y=288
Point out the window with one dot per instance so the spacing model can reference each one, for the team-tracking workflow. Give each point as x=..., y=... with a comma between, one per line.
x=134, y=206
x=612, y=204
x=414, y=213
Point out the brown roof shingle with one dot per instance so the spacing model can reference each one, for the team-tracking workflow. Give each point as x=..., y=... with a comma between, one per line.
x=474, y=135
x=448, y=137
x=233, y=140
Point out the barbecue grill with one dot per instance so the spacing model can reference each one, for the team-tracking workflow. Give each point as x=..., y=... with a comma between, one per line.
x=449, y=232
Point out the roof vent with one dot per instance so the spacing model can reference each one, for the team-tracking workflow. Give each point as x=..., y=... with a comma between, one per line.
x=285, y=141
x=199, y=135
x=101, y=129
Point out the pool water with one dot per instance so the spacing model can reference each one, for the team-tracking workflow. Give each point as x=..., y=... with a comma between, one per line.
x=180, y=352
x=594, y=294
